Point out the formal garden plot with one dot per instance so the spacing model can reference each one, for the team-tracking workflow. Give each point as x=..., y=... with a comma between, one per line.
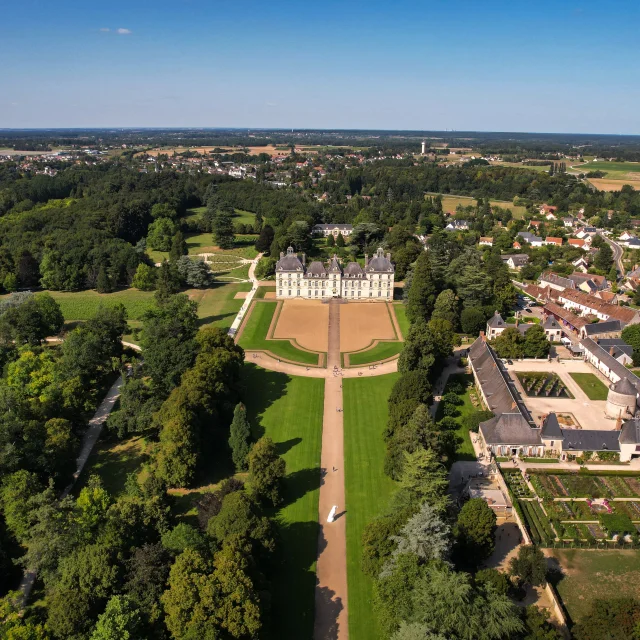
x=543, y=385
x=584, y=485
x=516, y=483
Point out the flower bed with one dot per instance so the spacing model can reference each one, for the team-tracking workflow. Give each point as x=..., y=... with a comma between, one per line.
x=543, y=384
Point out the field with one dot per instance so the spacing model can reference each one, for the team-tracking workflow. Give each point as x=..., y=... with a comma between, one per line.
x=609, y=184
x=198, y=243
x=450, y=202
x=464, y=449
x=240, y=216
x=362, y=323
x=289, y=410
x=306, y=322
x=612, y=169
x=595, y=574
x=591, y=385
x=254, y=336
x=368, y=489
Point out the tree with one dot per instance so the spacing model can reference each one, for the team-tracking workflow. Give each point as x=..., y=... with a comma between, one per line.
x=425, y=535
x=415, y=631
x=424, y=479
x=475, y=531
x=103, y=283
x=239, y=437
x=631, y=335
x=447, y=307
x=530, y=565
x=161, y=233
x=144, y=278
x=377, y=540
x=178, y=247
x=472, y=320
x=537, y=625
x=222, y=227
x=184, y=536
x=33, y=318
x=263, y=243
x=193, y=273
x=120, y=621
x=331, y=242
x=536, y=344
x=422, y=294
x=15, y=496
x=614, y=619
x=509, y=344
x=167, y=281
x=340, y=241
x=265, y=268
x=266, y=470
x=168, y=341
x=604, y=259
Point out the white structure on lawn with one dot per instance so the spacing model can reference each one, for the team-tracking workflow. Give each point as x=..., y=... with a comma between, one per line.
x=294, y=279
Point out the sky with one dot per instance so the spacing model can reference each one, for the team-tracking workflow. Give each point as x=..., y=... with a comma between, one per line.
x=546, y=66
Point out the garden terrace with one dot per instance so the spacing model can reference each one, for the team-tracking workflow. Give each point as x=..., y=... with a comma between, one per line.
x=543, y=384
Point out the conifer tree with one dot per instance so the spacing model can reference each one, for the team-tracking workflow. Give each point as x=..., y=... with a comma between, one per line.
x=239, y=436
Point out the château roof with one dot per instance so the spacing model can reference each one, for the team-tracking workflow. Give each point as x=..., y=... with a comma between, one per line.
x=289, y=262
x=379, y=263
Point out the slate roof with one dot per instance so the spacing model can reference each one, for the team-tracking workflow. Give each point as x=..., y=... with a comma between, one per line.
x=518, y=258
x=289, y=262
x=496, y=321
x=379, y=263
x=630, y=432
x=599, y=328
x=316, y=268
x=603, y=356
x=550, y=323
x=342, y=227
x=624, y=387
x=559, y=281
x=334, y=265
x=509, y=428
x=587, y=440
x=551, y=428
x=353, y=269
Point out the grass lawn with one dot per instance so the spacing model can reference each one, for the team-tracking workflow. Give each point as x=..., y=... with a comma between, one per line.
x=254, y=336
x=81, y=305
x=114, y=461
x=289, y=410
x=591, y=574
x=381, y=351
x=591, y=385
x=218, y=305
x=611, y=168
x=401, y=315
x=450, y=202
x=464, y=450
x=368, y=489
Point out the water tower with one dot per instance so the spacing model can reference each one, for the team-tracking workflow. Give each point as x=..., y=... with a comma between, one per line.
x=424, y=147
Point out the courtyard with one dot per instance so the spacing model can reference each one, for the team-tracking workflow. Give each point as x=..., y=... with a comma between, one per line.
x=580, y=409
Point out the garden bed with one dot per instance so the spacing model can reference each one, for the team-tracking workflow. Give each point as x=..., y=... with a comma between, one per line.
x=543, y=385
x=559, y=484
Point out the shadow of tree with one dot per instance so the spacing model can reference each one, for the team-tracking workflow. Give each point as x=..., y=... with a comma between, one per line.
x=266, y=387
x=299, y=483
x=328, y=608
x=283, y=447
x=293, y=608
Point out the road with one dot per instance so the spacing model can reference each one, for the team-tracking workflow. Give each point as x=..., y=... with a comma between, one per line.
x=617, y=253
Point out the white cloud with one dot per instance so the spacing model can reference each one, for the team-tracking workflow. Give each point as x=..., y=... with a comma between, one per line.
x=105, y=30
x=123, y=32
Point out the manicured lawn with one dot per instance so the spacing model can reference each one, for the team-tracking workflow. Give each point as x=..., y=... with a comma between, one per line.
x=81, y=305
x=368, y=489
x=289, y=410
x=591, y=385
x=401, y=315
x=204, y=243
x=592, y=574
x=218, y=305
x=254, y=336
x=381, y=351
x=464, y=450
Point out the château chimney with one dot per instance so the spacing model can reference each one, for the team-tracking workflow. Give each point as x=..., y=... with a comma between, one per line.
x=619, y=422
x=281, y=254
x=304, y=259
x=366, y=259
x=483, y=336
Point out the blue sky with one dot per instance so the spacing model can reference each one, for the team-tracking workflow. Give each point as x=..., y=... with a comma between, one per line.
x=561, y=66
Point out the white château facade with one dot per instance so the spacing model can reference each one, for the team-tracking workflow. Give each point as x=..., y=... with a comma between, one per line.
x=294, y=279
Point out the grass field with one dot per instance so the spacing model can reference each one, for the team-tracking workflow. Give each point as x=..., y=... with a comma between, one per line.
x=591, y=385
x=450, y=202
x=403, y=322
x=254, y=336
x=381, y=351
x=611, y=168
x=591, y=574
x=289, y=410
x=368, y=489
x=464, y=450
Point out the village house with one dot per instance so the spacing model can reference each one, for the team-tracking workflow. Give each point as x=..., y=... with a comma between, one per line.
x=607, y=329
x=496, y=325
x=534, y=241
x=457, y=225
x=553, y=240
x=516, y=260
x=587, y=304
x=569, y=222
x=576, y=242
x=486, y=241
x=550, y=279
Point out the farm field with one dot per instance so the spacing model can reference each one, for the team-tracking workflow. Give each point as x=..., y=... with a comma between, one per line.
x=464, y=449
x=610, y=184
x=256, y=329
x=611, y=168
x=591, y=385
x=368, y=489
x=450, y=202
x=591, y=574
x=289, y=410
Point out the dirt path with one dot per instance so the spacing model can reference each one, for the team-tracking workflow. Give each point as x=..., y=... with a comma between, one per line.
x=331, y=572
